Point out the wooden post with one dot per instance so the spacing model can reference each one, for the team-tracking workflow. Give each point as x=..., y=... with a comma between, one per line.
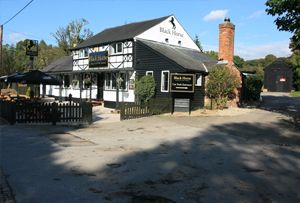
x=54, y=113
x=118, y=88
x=87, y=112
x=1, y=49
x=12, y=113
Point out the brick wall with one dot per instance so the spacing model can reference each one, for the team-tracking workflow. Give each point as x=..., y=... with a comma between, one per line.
x=226, y=41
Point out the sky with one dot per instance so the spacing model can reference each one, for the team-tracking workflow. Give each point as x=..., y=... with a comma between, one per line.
x=256, y=35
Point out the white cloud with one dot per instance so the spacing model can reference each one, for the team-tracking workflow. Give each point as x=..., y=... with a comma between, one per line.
x=215, y=15
x=279, y=49
x=256, y=14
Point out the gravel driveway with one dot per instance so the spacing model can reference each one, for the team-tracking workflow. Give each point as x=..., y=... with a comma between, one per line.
x=253, y=156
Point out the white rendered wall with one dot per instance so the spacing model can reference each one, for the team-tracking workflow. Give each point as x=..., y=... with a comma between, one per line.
x=165, y=30
x=126, y=96
x=85, y=93
x=119, y=60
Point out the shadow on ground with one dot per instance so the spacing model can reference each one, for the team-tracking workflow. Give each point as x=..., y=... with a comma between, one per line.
x=286, y=105
x=234, y=162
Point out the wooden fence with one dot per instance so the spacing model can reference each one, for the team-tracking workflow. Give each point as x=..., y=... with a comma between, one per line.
x=154, y=107
x=37, y=112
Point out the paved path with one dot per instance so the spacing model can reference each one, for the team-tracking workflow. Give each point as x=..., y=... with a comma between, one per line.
x=281, y=102
x=250, y=157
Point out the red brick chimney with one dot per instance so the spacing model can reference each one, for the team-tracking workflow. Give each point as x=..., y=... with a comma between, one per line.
x=226, y=41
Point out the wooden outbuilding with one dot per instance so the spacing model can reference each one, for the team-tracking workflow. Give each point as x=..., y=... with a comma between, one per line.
x=278, y=76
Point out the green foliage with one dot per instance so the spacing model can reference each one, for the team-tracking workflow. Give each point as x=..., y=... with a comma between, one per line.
x=28, y=90
x=295, y=62
x=71, y=35
x=295, y=94
x=198, y=43
x=15, y=59
x=253, y=88
x=238, y=61
x=145, y=88
x=287, y=14
x=221, y=85
x=212, y=54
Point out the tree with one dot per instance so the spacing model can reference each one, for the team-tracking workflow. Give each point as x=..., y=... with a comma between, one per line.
x=8, y=60
x=270, y=58
x=71, y=35
x=198, y=43
x=238, y=61
x=47, y=54
x=288, y=18
x=295, y=61
x=221, y=85
x=212, y=54
x=145, y=88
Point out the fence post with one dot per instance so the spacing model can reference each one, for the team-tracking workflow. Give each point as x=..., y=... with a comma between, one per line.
x=54, y=113
x=11, y=112
x=87, y=112
x=122, y=111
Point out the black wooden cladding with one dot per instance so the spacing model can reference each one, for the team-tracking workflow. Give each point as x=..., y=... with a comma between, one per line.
x=148, y=59
x=278, y=77
x=36, y=112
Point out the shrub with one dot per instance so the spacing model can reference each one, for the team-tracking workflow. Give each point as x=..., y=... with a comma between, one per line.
x=145, y=88
x=253, y=88
x=221, y=84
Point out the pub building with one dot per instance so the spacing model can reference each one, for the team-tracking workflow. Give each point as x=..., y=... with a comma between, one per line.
x=105, y=66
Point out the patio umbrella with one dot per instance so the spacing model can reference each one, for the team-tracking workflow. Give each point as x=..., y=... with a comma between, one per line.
x=34, y=77
x=7, y=78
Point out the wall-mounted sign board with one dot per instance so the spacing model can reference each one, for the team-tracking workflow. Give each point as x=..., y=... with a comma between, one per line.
x=98, y=59
x=182, y=82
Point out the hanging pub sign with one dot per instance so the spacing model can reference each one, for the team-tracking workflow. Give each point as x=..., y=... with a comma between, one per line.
x=182, y=82
x=31, y=47
x=98, y=59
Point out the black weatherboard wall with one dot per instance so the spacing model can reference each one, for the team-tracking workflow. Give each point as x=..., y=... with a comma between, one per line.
x=148, y=59
x=278, y=77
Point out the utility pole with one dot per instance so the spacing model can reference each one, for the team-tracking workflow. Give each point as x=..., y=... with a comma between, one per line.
x=1, y=50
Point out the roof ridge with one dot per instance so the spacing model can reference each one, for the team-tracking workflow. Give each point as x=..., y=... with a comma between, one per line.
x=121, y=32
x=138, y=22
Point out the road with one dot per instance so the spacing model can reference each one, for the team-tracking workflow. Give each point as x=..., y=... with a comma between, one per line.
x=245, y=156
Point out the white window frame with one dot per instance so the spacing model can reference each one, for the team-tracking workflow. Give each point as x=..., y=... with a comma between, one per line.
x=109, y=77
x=198, y=80
x=150, y=72
x=84, y=53
x=162, y=81
x=115, y=50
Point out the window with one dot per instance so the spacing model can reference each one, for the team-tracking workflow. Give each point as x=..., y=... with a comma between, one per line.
x=123, y=81
x=117, y=48
x=198, y=80
x=83, y=53
x=165, y=81
x=149, y=73
x=167, y=40
x=111, y=81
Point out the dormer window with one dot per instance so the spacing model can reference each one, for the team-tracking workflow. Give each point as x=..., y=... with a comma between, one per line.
x=117, y=48
x=83, y=53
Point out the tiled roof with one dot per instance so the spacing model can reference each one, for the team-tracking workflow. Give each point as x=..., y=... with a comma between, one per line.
x=124, y=32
